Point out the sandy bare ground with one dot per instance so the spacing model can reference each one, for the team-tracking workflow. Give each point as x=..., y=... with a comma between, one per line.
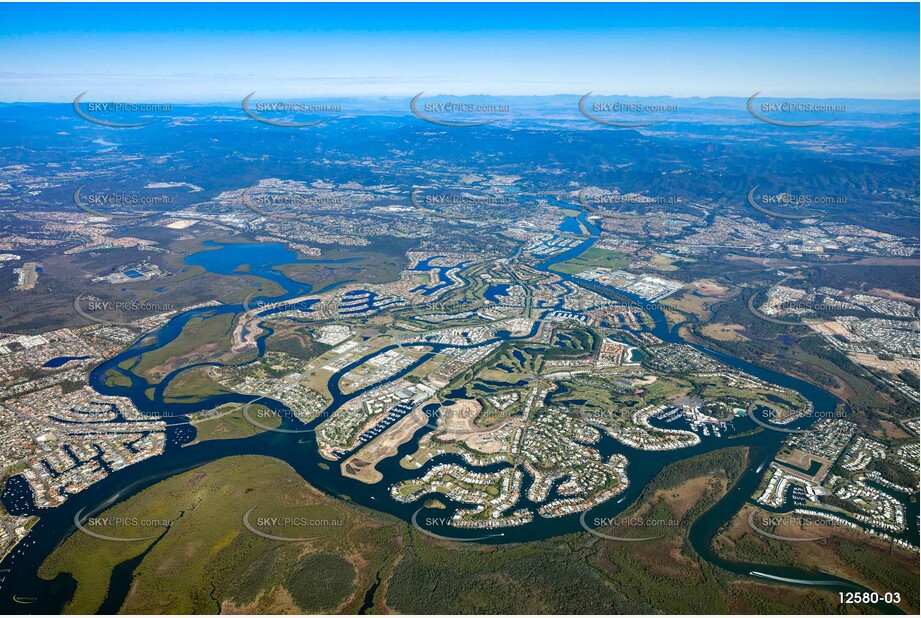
x=181, y=224
x=893, y=295
x=724, y=332
x=892, y=366
x=893, y=431
x=829, y=328
x=867, y=360
x=709, y=287
x=804, y=460
x=245, y=333
x=361, y=465
x=456, y=423
x=887, y=261
x=458, y=419
x=30, y=275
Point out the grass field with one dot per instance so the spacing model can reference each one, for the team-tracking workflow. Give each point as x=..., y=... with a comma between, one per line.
x=724, y=332
x=616, y=397
x=202, y=339
x=510, y=364
x=592, y=258
x=228, y=422
x=208, y=562
x=847, y=553
x=580, y=573
x=192, y=386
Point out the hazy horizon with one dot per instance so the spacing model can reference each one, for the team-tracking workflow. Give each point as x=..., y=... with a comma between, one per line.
x=212, y=52
x=91, y=96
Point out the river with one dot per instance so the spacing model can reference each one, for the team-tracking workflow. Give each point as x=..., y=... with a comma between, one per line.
x=24, y=591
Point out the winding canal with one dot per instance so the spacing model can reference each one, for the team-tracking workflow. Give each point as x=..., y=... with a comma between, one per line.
x=21, y=590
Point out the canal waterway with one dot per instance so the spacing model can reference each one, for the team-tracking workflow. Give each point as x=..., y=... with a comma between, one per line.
x=33, y=594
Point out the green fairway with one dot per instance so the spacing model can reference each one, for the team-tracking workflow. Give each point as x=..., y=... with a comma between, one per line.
x=592, y=258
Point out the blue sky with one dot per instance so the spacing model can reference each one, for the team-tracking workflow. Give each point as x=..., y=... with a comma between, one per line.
x=218, y=52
